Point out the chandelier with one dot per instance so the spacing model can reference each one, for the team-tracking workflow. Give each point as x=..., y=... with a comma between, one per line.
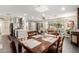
x=41, y=8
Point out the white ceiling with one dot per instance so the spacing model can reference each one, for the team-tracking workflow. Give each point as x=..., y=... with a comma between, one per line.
x=20, y=10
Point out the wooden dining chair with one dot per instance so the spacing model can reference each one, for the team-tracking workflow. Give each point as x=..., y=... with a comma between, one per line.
x=12, y=44
x=60, y=46
x=57, y=46
x=53, y=32
x=32, y=33
x=13, y=47
x=9, y=37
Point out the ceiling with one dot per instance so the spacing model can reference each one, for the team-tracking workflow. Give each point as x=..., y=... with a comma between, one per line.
x=20, y=10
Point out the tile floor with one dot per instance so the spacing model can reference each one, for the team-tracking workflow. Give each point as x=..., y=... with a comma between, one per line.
x=4, y=44
x=68, y=47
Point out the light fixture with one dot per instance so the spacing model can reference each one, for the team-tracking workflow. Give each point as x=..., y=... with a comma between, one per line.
x=41, y=8
x=63, y=8
x=43, y=16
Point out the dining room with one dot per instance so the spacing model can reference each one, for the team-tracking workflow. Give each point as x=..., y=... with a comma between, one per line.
x=39, y=29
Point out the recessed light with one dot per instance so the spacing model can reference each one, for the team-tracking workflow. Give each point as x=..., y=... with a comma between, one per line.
x=63, y=8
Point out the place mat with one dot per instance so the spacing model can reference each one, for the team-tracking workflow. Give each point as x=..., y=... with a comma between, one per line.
x=31, y=43
x=37, y=36
x=49, y=39
x=49, y=35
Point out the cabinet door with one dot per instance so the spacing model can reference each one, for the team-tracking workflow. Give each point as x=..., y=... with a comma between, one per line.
x=74, y=39
x=32, y=26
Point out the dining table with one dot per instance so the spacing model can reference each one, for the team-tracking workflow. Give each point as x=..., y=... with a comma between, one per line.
x=38, y=43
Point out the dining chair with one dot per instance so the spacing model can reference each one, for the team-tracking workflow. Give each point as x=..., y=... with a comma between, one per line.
x=53, y=32
x=32, y=33
x=60, y=45
x=12, y=44
x=9, y=37
x=13, y=47
x=57, y=46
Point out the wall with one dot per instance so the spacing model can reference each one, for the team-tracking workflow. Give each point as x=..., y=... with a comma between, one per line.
x=5, y=30
x=65, y=18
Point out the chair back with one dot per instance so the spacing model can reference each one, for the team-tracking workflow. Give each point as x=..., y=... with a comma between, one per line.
x=32, y=33
x=9, y=37
x=53, y=32
x=13, y=47
x=60, y=44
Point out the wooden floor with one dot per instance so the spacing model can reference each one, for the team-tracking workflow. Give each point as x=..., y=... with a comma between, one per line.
x=67, y=46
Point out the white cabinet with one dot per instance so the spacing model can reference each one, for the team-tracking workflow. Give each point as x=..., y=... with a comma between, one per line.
x=31, y=26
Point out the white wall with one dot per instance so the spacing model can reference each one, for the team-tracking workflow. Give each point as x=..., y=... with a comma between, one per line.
x=66, y=17
x=5, y=30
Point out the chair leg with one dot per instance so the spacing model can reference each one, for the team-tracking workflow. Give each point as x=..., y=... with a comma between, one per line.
x=61, y=51
x=19, y=48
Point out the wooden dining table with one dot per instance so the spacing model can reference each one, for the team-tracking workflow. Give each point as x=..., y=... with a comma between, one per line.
x=43, y=47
